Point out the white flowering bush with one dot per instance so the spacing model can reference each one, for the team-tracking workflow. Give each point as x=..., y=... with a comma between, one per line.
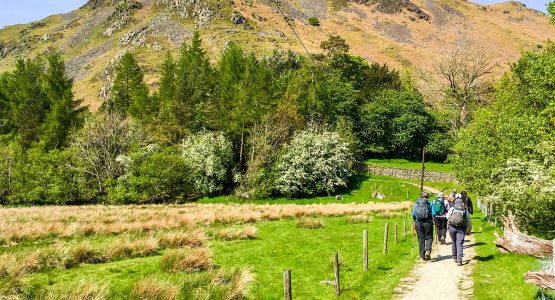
x=313, y=163
x=209, y=157
x=527, y=189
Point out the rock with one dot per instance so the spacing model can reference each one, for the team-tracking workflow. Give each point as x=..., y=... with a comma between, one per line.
x=339, y=198
x=238, y=19
x=377, y=195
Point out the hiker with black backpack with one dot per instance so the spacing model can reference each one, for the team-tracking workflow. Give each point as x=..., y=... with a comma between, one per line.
x=457, y=221
x=423, y=215
x=439, y=211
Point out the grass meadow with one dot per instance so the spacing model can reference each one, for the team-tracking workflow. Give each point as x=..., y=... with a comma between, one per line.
x=219, y=250
x=227, y=248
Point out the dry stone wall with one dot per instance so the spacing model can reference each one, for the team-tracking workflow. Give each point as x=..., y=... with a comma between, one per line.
x=411, y=174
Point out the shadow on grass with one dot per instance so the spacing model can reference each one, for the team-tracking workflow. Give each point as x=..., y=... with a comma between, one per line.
x=484, y=258
x=355, y=183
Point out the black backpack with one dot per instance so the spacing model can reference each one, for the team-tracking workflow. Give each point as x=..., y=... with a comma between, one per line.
x=422, y=210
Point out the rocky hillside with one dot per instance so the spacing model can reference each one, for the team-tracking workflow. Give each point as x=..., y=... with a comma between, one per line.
x=403, y=33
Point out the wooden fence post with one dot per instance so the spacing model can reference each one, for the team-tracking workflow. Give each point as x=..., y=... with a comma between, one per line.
x=396, y=233
x=287, y=295
x=365, y=250
x=385, y=236
x=336, y=269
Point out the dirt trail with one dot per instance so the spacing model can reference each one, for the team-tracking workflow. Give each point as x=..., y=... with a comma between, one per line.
x=440, y=278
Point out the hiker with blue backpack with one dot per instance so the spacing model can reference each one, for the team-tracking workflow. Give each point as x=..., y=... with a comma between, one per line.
x=439, y=211
x=457, y=219
x=423, y=214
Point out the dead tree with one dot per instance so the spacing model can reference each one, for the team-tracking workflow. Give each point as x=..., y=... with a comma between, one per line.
x=517, y=242
x=462, y=73
x=544, y=280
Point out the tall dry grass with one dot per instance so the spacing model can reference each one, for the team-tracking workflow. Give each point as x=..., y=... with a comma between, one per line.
x=186, y=260
x=154, y=289
x=244, y=233
x=310, y=223
x=31, y=223
x=60, y=256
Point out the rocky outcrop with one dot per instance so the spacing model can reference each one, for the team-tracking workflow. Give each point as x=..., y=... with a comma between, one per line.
x=121, y=16
x=396, y=6
x=161, y=26
x=107, y=77
x=198, y=10
x=410, y=173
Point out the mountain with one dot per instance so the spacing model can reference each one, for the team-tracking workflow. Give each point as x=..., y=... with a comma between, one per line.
x=413, y=34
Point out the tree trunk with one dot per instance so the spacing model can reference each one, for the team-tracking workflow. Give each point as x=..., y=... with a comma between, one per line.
x=542, y=279
x=517, y=242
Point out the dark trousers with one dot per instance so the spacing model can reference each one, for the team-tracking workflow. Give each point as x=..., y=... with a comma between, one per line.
x=441, y=228
x=425, y=232
x=457, y=238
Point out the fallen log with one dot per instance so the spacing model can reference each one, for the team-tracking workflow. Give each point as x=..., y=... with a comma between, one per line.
x=517, y=242
x=542, y=279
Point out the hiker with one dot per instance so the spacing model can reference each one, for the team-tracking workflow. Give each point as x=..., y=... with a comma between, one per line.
x=457, y=218
x=422, y=215
x=451, y=197
x=439, y=209
x=467, y=202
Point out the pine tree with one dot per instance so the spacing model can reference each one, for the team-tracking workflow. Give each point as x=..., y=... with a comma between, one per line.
x=64, y=111
x=129, y=92
x=28, y=103
x=166, y=92
x=185, y=112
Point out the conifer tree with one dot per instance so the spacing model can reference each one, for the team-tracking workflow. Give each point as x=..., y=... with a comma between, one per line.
x=28, y=103
x=185, y=112
x=166, y=92
x=64, y=111
x=129, y=92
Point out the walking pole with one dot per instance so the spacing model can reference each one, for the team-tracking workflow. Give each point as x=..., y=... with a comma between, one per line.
x=423, y=168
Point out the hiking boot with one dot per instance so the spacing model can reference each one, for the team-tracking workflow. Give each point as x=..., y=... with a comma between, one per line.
x=459, y=263
x=427, y=255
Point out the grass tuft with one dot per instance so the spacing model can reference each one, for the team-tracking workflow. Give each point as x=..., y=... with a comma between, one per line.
x=154, y=289
x=245, y=233
x=186, y=260
x=310, y=223
x=359, y=219
x=192, y=238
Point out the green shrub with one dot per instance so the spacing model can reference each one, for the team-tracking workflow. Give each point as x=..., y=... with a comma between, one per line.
x=314, y=21
x=152, y=175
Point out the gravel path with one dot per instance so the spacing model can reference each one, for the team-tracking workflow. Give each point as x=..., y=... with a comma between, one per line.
x=440, y=278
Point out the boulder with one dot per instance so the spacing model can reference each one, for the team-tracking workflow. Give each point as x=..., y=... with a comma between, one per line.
x=238, y=19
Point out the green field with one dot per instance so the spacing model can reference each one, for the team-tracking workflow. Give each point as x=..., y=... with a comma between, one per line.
x=279, y=246
x=360, y=191
x=406, y=164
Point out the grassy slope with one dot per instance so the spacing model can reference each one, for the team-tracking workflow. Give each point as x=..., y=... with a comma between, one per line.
x=280, y=245
x=406, y=164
